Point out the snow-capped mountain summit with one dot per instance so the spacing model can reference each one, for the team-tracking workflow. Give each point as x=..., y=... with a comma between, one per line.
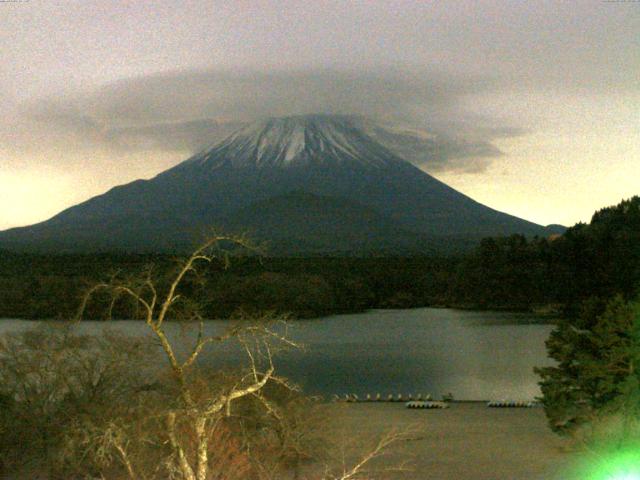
x=306, y=184
x=298, y=141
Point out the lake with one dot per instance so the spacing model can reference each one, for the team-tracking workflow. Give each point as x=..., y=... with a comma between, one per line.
x=473, y=355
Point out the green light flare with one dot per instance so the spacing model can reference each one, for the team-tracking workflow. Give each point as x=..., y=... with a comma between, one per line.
x=620, y=464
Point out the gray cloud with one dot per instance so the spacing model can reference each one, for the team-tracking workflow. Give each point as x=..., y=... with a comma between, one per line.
x=185, y=111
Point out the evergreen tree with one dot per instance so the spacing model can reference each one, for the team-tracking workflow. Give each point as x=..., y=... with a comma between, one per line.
x=597, y=356
x=627, y=405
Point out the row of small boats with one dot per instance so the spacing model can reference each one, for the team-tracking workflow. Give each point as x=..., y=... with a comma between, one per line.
x=427, y=404
x=511, y=404
x=352, y=397
x=490, y=404
x=426, y=401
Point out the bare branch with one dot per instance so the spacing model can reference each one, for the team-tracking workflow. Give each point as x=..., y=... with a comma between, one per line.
x=382, y=446
x=87, y=296
x=198, y=255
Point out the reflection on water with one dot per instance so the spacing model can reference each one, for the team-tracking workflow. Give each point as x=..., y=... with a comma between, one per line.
x=473, y=355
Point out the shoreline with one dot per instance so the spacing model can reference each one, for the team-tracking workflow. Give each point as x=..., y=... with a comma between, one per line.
x=465, y=441
x=550, y=316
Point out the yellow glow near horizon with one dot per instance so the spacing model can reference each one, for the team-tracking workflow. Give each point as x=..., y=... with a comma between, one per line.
x=581, y=153
x=541, y=180
x=30, y=195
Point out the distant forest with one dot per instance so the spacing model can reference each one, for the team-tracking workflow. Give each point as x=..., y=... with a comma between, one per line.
x=555, y=274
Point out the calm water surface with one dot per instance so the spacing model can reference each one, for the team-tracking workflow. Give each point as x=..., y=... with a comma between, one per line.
x=473, y=355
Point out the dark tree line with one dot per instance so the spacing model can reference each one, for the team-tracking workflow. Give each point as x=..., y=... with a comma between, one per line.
x=599, y=259
x=51, y=286
x=593, y=390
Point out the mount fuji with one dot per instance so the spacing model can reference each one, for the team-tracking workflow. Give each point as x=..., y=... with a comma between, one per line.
x=314, y=184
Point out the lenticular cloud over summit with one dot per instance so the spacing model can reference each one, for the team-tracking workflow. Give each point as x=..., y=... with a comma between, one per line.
x=136, y=114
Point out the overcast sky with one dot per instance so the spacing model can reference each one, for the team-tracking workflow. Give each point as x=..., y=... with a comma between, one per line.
x=536, y=103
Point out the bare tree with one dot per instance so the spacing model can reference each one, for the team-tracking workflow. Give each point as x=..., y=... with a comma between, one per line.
x=118, y=415
x=201, y=413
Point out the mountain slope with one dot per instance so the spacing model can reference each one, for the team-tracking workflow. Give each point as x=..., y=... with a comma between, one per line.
x=327, y=158
x=300, y=222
